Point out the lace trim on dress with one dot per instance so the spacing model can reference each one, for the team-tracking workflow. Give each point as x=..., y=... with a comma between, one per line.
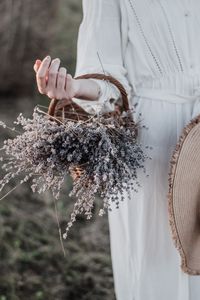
x=172, y=36
x=145, y=38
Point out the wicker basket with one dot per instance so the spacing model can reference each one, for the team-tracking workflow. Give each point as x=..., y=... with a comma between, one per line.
x=74, y=112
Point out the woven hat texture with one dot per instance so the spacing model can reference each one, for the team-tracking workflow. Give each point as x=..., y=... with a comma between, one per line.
x=184, y=197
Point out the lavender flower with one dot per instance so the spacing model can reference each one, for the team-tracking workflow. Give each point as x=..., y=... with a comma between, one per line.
x=106, y=151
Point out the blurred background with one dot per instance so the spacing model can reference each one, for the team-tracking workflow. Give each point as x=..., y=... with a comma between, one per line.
x=32, y=265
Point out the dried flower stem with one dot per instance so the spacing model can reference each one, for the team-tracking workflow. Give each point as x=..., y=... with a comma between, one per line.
x=59, y=228
x=10, y=192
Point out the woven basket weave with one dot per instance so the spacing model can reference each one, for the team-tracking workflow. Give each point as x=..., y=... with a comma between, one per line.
x=74, y=112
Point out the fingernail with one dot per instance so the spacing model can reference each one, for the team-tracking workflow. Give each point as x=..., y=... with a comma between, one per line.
x=48, y=57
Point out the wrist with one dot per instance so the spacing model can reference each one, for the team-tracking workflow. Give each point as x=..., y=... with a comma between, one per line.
x=87, y=89
x=77, y=88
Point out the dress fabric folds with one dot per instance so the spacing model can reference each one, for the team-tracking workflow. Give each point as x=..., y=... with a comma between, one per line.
x=153, y=48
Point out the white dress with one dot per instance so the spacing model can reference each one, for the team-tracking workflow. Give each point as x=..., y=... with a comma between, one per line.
x=153, y=48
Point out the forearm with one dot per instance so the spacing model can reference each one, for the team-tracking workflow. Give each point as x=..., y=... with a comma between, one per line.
x=87, y=89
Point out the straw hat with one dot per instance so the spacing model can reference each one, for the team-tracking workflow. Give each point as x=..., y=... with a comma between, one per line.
x=184, y=197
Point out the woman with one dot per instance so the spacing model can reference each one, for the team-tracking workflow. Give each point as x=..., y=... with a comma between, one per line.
x=153, y=48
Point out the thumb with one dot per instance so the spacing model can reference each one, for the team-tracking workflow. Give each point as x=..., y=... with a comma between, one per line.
x=37, y=65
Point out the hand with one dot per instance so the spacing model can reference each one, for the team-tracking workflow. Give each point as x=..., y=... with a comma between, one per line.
x=54, y=81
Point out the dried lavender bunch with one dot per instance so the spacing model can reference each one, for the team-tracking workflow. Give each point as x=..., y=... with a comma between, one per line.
x=106, y=151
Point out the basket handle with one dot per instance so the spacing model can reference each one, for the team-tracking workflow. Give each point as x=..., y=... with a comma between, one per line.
x=125, y=104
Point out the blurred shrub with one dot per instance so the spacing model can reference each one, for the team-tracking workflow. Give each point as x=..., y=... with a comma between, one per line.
x=64, y=44
x=31, y=30
x=26, y=30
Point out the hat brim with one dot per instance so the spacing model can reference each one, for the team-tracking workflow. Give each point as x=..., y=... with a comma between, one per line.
x=184, y=197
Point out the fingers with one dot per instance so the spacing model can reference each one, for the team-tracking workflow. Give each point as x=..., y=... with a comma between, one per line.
x=52, y=74
x=68, y=90
x=54, y=81
x=41, y=74
x=37, y=65
x=69, y=86
x=61, y=79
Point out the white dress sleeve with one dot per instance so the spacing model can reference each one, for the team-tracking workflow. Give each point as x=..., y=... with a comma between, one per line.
x=101, y=40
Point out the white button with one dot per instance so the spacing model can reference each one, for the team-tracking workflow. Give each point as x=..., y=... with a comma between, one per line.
x=187, y=13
